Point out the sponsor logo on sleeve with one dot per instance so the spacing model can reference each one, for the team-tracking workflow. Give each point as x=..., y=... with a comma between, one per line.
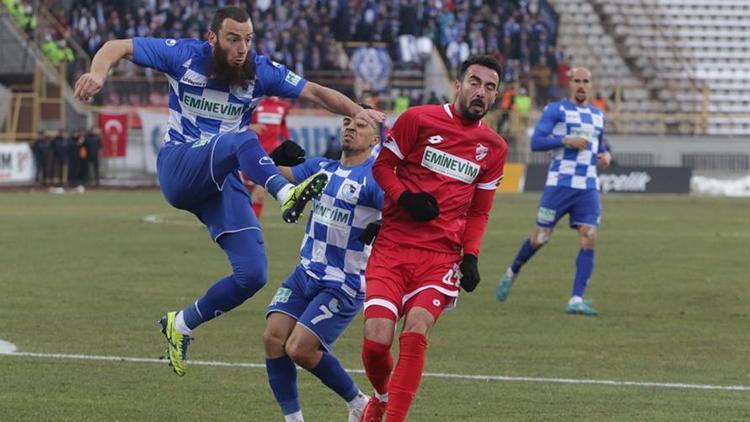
x=292, y=78
x=170, y=42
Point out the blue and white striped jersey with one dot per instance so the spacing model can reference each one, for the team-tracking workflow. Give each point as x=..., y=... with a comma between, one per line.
x=331, y=251
x=570, y=167
x=200, y=108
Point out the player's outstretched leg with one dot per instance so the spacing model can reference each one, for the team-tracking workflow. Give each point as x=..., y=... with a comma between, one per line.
x=525, y=253
x=296, y=200
x=245, y=252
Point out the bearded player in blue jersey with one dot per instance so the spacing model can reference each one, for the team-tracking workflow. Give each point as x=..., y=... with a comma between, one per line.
x=326, y=290
x=214, y=86
x=573, y=130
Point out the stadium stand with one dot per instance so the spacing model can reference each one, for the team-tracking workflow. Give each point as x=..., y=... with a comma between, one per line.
x=667, y=56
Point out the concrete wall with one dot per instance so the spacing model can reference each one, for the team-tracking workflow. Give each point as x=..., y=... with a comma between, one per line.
x=14, y=57
x=712, y=156
x=669, y=149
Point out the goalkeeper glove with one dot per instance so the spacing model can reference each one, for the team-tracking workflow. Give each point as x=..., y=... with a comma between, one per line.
x=288, y=154
x=421, y=206
x=469, y=273
x=368, y=234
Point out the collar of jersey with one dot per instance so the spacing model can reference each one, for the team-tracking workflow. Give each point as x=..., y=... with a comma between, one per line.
x=458, y=117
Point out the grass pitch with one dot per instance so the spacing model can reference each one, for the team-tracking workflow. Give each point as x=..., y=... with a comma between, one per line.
x=87, y=275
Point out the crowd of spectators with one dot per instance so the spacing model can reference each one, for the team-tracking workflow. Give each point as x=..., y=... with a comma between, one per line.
x=305, y=34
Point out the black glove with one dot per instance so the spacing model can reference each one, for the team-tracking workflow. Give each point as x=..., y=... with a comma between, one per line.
x=421, y=206
x=288, y=154
x=469, y=273
x=368, y=235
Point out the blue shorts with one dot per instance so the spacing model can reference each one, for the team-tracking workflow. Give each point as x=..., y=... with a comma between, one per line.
x=323, y=310
x=583, y=205
x=202, y=178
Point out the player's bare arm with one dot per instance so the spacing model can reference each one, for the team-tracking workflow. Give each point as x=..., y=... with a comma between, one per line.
x=338, y=103
x=89, y=84
x=287, y=173
x=256, y=127
x=603, y=160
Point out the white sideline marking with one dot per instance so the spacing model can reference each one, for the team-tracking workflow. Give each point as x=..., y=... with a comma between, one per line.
x=426, y=374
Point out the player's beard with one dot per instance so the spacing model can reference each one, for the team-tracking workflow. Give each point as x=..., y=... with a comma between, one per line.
x=470, y=115
x=223, y=72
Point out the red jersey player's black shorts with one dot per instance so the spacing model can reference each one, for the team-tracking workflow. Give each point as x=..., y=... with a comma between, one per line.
x=399, y=278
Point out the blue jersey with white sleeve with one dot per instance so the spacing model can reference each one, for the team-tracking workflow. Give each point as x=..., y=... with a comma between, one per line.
x=199, y=107
x=331, y=251
x=570, y=167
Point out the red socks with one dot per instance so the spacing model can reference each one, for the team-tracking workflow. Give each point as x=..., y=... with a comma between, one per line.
x=407, y=376
x=378, y=363
x=257, y=208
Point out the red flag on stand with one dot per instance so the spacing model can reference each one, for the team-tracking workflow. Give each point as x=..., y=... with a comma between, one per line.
x=114, y=131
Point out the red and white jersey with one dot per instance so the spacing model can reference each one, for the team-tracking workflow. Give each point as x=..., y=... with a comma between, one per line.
x=272, y=112
x=448, y=157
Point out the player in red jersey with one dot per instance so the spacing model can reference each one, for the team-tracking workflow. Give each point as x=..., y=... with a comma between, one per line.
x=269, y=122
x=448, y=164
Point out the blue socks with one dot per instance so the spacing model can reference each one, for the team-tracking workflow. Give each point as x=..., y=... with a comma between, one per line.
x=259, y=167
x=584, y=269
x=332, y=374
x=524, y=254
x=282, y=376
x=245, y=252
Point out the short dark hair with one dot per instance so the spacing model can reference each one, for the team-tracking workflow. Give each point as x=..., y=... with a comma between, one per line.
x=482, y=60
x=378, y=126
x=229, y=12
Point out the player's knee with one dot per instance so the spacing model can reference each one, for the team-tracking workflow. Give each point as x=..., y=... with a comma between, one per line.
x=274, y=342
x=419, y=321
x=587, y=236
x=250, y=275
x=302, y=354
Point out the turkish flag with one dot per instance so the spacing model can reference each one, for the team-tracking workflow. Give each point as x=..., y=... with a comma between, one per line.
x=114, y=131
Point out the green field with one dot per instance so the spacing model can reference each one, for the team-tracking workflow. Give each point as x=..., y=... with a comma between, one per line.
x=86, y=275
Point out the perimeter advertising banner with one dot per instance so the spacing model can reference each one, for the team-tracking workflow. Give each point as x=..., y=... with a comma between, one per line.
x=617, y=179
x=16, y=163
x=313, y=133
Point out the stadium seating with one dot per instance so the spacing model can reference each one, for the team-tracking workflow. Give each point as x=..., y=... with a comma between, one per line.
x=663, y=52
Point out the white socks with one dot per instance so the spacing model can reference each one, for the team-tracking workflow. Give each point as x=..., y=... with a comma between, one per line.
x=575, y=299
x=179, y=322
x=294, y=417
x=358, y=402
x=282, y=194
x=382, y=397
